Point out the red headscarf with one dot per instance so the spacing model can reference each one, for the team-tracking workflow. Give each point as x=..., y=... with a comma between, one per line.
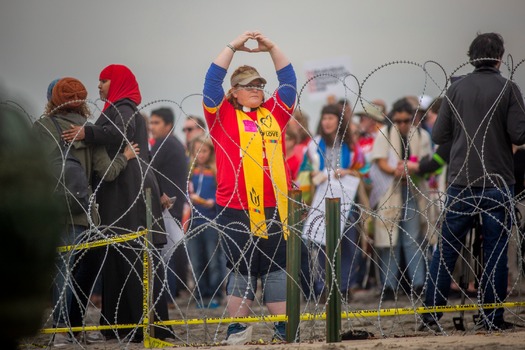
x=123, y=84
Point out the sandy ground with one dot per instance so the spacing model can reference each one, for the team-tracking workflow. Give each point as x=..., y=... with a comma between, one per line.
x=481, y=340
x=513, y=340
x=388, y=332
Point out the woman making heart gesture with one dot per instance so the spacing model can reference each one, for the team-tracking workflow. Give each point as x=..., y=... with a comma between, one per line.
x=252, y=181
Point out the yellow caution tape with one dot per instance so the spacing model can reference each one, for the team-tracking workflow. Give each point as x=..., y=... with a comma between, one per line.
x=87, y=328
x=148, y=341
x=151, y=342
x=154, y=343
x=103, y=242
x=304, y=317
x=344, y=315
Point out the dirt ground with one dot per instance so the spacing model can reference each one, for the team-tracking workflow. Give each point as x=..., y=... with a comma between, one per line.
x=513, y=340
x=389, y=332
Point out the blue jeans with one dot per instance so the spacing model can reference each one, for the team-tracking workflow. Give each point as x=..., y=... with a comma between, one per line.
x=409, y=244
x=463, y=206
x=207, y=260
x=351, y=258
x=64, y=282
x=307, y=283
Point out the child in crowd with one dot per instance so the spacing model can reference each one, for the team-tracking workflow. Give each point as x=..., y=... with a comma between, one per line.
x=205, y=252
x=293, y=161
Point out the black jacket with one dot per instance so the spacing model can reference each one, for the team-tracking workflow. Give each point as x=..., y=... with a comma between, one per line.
x=171, y=169
x=483, y=114
x=123, y=201
x=439, y=158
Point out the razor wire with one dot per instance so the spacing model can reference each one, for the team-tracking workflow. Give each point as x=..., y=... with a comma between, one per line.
x=366, y=306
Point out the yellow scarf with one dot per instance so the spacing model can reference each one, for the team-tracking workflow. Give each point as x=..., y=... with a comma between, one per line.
x=253, y=135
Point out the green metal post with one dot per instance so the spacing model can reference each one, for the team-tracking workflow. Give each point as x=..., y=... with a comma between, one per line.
x=333, y=269
x=293, y=266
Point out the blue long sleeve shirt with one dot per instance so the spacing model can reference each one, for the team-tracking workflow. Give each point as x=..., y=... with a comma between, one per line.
x=214, y=93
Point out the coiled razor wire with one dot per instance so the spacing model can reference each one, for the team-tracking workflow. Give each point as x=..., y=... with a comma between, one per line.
x=369, y=295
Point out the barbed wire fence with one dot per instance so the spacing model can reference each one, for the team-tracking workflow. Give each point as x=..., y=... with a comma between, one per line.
x=365, y=305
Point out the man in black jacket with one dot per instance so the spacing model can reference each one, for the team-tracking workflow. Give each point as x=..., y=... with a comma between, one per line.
x=483, y=115
x=170, y=166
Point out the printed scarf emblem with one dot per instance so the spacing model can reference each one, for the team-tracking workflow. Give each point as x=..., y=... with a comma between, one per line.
x=253, y=135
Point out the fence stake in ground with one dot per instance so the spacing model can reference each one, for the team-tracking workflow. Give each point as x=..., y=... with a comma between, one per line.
x=293, y=267
x=333, y=269
x=148, y=287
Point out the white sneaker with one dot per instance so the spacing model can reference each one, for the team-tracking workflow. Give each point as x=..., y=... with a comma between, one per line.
x=92, y=337
x=62, y=339
x=239, y=338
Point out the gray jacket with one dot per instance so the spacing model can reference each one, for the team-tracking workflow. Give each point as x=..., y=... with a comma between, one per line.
x=93, y=158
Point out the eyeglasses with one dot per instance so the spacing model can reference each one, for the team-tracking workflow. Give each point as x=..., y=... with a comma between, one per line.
x=403, y=121
x=187, y=129
x=251, y=87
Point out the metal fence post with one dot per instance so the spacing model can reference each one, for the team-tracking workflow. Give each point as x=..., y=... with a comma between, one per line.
x=333, y=269
x=293, y=267
x=148, y=329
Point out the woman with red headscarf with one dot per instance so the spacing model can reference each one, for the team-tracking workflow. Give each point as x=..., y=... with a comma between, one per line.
x=122, y=203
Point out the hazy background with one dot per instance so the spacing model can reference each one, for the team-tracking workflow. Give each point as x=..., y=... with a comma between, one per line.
x=170, y=44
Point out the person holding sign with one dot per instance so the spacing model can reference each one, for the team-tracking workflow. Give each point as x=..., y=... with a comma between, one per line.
x=252, y=181
x=337, y=175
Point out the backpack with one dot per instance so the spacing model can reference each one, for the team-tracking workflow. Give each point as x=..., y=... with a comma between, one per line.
x=73, y=185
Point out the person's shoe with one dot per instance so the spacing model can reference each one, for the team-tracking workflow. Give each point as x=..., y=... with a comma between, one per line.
x=431, y=325
x=356, y=335
x=418, y=292
x=279, y=334
x=238, y=334
x=454, y=294
x=214, y=303
x=389, y=295
x=92, y=337
x=62, y=339
x=501, y=326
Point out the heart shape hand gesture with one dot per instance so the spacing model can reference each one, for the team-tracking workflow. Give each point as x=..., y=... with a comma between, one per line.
x=263, y=43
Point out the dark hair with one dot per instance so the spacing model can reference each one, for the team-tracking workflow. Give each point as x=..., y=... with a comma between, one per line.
x=343, y=131
x=301, y=118
x=200, y=122
x=402, y=105
x=166, y=114
x=436, y=104
x=292, y=134
x=486, y=45
x=344, y=102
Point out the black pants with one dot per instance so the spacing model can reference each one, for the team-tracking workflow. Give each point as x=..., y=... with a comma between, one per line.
x=122, y=293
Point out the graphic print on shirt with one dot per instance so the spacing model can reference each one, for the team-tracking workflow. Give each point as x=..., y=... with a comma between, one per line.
x=255, y=198
x=266, y=121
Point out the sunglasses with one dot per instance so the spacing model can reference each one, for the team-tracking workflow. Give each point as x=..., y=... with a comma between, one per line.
x=187, y=129
x=252, y=87
x=403, y=121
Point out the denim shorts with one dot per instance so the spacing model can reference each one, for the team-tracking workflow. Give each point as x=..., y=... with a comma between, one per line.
x=245, y=253
x=273, y=286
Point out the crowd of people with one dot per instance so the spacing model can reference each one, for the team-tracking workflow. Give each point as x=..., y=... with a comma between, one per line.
x=226, y=185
